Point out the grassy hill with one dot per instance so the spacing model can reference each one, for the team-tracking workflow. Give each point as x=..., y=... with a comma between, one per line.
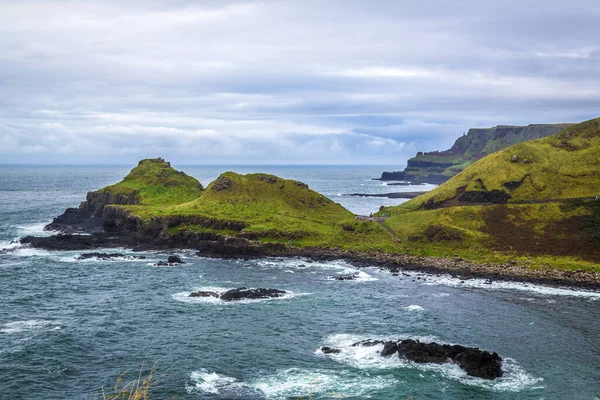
x=258, y=207
x=534, y=199
x=152, y=182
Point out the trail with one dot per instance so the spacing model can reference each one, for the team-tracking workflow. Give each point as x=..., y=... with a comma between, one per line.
x=380, y=221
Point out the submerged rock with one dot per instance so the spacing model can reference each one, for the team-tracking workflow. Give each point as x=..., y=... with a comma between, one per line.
x=343, y=277
x=473, y=361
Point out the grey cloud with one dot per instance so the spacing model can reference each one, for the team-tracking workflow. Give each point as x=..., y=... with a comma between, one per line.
x=249, y=81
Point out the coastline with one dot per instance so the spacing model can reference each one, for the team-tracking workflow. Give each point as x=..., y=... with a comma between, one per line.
x=393, y=262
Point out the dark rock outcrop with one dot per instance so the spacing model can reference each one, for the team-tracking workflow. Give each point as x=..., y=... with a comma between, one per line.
x=251, y=294
x=174, y=260
x=171, y=261
x=203, y=293
x=107, y=256
x=242, y=294
x=473, y=361
x=330, y=350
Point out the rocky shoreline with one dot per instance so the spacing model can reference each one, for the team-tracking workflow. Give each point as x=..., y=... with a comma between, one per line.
x=216, y=246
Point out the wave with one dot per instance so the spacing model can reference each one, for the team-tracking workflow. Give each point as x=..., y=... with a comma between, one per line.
x=28, y=325
x=361, y=276
x=36, y=229
x=307, y=383
x=184, y=297
x=414, y=307
x=291, y=383
x=447, y=280
x=210, y=382
x=515, y=379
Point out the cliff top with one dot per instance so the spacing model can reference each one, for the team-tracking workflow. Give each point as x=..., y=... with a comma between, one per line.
x=155, y=182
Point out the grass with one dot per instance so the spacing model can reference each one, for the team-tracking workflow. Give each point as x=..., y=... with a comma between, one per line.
x=154, y=182
x=273, y=210
x=138, y=389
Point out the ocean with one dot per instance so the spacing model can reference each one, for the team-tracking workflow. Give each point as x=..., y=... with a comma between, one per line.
x=70, y=327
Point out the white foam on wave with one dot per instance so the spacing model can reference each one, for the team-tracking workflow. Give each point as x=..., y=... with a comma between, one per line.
x=447, y=280
x=291, y=383
x=185, y=297
x=210, y=382
x=36, y=229
x=361, y=276
x=300, y=264
x=28, y=325
x=306, y=383
x=414, y=307
x=514, y=379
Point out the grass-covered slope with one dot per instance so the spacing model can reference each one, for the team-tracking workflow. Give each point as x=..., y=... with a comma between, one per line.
x=154, y=182
x=269, y=209
x=565, y=165
x=550, y=211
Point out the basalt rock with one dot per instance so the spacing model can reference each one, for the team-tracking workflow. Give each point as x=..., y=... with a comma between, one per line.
x=246, y=293
x=330, y=350
x=107, y=256
x=473, y=361
x=174, y=260
x=203, y=293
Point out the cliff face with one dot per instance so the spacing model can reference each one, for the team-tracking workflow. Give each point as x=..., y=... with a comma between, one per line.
x=439, y=166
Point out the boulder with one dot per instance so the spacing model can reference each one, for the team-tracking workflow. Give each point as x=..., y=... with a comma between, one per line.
x=174, y=260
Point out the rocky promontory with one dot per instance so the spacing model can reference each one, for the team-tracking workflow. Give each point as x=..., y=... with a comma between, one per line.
x=437, y=167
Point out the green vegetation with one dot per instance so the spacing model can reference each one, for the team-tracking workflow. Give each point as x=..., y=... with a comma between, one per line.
x=155, y=182
x=265, y=208
x=566, y=165
x=552, y=216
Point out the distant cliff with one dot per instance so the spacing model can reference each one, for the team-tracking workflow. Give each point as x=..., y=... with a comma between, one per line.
x=439, y=166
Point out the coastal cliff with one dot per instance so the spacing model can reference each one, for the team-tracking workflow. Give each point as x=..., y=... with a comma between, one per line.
x=438, y=166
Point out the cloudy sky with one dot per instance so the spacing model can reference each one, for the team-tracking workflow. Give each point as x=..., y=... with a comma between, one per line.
x=285, y=82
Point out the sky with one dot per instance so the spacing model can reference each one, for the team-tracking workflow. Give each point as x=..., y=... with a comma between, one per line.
x=285, y=82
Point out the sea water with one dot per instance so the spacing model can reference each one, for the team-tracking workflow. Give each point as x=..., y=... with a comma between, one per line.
x=69, y=327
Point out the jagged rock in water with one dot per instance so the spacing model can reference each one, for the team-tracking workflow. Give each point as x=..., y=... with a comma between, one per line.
x=107, y=256
x=475, y=362
x=174, y=260
x=245, y=293
x=330, y=350
x=202, y=293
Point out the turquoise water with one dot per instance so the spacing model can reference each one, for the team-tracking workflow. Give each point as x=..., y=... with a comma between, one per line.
x=69, y=327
